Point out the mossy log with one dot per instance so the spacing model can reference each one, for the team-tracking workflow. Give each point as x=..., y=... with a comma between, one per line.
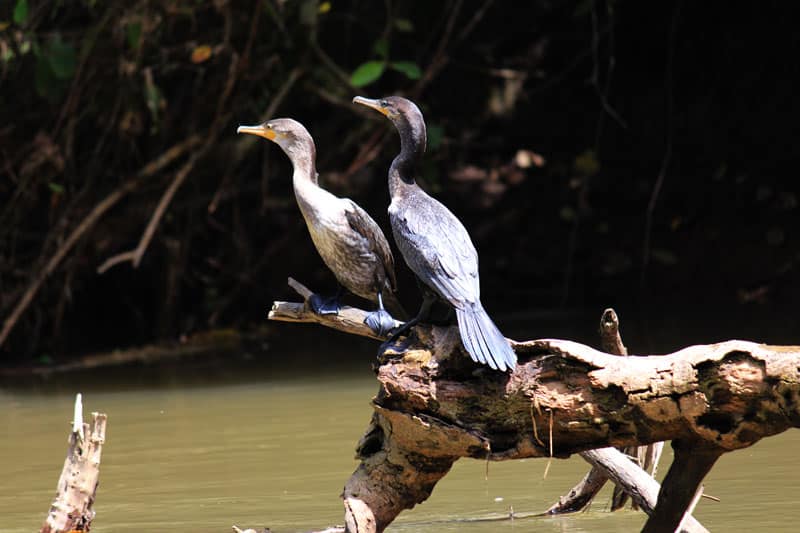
x=434, y=406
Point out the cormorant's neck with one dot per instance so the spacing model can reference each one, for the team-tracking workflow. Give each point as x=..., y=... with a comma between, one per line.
x=303, y=160
x=405, y=166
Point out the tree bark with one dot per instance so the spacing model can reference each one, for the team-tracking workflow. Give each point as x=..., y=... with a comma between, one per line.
x=72, y=511
x=434, y=405
x=692, y=462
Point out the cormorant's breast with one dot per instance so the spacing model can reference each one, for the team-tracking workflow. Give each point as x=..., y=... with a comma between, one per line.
x=347, y=252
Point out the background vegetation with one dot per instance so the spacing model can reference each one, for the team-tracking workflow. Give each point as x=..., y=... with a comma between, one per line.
x=617, y=153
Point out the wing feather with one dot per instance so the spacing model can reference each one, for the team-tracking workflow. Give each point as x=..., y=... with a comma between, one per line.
x=364, y=225
x=438, y=249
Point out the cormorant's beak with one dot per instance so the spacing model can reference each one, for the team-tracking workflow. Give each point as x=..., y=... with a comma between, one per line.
x=374, y=104
x=259, y=130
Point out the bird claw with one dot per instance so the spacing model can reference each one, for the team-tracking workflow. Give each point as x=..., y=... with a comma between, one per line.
x=380, y=322
x=324, y=306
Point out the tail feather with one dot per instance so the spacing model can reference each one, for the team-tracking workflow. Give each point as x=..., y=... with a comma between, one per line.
x=483, y=341
x=488, y=345
x=483, y=345
x=471, y=339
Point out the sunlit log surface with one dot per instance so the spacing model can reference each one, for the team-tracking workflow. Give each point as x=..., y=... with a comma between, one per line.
x=434, y=405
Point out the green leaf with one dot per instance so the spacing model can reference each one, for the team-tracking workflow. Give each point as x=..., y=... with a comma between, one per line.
x=20, y=12
x=56, y=188
x=46, y=84
x=381, y=48
x=62, y=58
x=155, y=102
x=367, y=73
x=403, y=25
x=6, y=54
x=44, y=359
x=409, y=68
x=133, y=33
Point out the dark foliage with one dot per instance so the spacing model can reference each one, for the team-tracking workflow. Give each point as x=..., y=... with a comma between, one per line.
x=601, y=153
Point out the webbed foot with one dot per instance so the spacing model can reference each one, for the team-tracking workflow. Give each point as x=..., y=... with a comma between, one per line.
x=380, y=321
x=324, y=306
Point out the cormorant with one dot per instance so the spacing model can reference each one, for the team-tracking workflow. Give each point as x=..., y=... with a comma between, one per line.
x=434, y=243
x=350, y=243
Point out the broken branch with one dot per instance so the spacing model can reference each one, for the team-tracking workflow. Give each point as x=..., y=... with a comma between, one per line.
x=348, y=320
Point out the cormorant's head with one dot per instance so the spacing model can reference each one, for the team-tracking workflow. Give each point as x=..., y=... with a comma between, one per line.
x=287, y=133
x=403, y=113
x=396, y=108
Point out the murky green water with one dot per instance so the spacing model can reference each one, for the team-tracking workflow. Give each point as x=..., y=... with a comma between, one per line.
x=202, y=448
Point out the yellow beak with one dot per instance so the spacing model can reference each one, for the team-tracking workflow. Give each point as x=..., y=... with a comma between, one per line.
x=259, y=130
x=374, y=104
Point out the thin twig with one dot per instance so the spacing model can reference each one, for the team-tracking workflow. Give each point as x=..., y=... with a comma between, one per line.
x=247, y=141
x=135, y=255
x=367, y=153
x=439, y=59
x=337, y=71
x=602, y=94
x=662, y=173
x=88, y=42
x=550, y=458
x=247, y=277
x=88, y=222
x=299, y=288
x=533, y=420
x=237, y=66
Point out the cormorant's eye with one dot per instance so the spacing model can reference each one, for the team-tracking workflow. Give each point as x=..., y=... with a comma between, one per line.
x=384, y=103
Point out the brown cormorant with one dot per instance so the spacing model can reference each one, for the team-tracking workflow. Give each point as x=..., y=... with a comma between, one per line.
x=434, y=243
x=350, y=243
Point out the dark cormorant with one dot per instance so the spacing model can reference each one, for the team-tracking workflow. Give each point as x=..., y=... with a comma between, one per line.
x=348, y=240
x=434, y=243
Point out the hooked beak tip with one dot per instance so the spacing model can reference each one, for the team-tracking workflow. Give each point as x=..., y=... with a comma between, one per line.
x=370, y=103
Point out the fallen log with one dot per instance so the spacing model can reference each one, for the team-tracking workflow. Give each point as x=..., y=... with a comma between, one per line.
x=71, y=510
x=434, y=406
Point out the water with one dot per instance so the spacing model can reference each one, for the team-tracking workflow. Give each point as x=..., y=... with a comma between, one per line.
x=200, y=448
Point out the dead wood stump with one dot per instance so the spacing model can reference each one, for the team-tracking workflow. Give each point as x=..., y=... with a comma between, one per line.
x=71, y=510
